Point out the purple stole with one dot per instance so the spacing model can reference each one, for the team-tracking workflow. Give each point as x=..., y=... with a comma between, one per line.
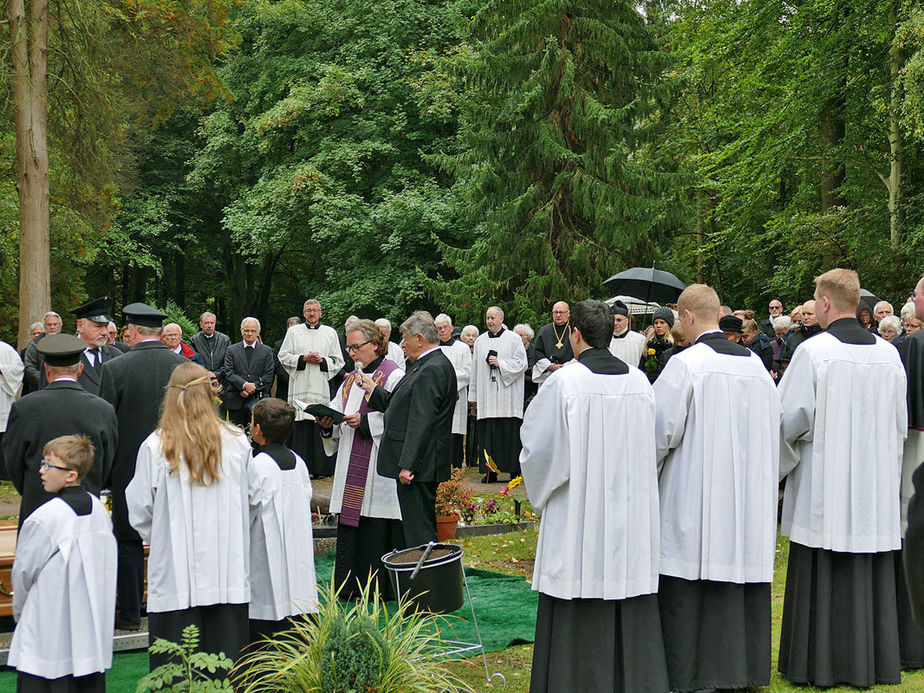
x=358, y=469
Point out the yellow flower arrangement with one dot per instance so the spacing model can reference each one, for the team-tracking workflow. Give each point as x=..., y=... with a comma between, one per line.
x=651, y=352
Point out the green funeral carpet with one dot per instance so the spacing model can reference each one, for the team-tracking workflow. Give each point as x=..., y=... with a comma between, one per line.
x=504, y=605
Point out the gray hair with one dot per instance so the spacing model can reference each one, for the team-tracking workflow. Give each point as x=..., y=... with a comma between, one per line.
x=36, y=325
x=294, y=320
x=383, y=322
x=441, y=318
x=50, y=314
x=311, y=302
x=352, y=318
x=781, y=322
x=498, y=309
x=907, y=311
x=208, y=314
x=891, y=321
x=883, y=303
x=148, y=331
x=421, y=323
x=468, y=329
x=524, y=327
x=250, y=319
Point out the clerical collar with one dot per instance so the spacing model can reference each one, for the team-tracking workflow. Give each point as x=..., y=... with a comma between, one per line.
x=370, y=368
x=77, y=498
x=279, y=453
x=850, y=331
x=622, y=334
x=491, y=335
x=710, y=334
x=208, y=336
x=449, y=343
x=602, y=362
x=313, y=327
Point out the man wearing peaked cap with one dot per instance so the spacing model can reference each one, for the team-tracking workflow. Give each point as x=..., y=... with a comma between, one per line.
x=62, y=408
x=134, y=384
x=93, y=328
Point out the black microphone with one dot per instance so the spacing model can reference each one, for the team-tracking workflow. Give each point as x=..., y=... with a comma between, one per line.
x=493, y=368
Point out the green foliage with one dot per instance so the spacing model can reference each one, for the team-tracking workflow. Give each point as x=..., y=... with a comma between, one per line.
x=188, y=669
x=175, y=314
x=348, y=647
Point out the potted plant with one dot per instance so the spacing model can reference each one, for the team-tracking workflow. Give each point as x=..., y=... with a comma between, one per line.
x=451, y=497
x=352, y=647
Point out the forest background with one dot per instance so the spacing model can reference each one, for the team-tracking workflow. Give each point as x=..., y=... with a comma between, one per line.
x=383, y=156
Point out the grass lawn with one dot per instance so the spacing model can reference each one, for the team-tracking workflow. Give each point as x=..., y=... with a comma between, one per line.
x=514, y=553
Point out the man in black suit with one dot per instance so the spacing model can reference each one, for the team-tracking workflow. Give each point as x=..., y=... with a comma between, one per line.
x=248, y=371
x=62, y=408
x=416, y=444
x=211, y=345
x=93, y=328
x=134, y=384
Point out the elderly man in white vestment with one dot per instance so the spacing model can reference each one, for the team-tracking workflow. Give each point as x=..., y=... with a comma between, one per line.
x=496, y=388
x=597, y=558
x=366, y=503
x=841, y=507
x=311, y=355
x=717, y=437
x=626, y=344
x=460, y=356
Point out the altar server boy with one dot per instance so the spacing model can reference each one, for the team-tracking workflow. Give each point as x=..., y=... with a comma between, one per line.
x=64, y=580
x=281, y=546
x=597, y=559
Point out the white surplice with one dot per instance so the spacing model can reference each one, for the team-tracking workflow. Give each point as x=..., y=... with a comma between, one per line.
x=629, y=348
x=11, y=372
x=380, y=499
x=501, y=397
x=589, y=466
x=844, y=423
x=64, y=584
x=717, y=439
x=395, y=353
x=199, y=535
x=310, y=384
x=460, y=356
x=282, y=576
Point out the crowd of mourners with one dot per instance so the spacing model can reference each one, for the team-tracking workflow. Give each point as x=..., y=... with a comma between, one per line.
x=656, y=457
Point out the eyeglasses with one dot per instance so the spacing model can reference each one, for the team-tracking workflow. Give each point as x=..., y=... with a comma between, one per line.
x=48, y=465
x=356, y=347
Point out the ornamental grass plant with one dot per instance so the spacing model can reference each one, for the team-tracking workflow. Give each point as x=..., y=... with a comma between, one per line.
x=351, y=647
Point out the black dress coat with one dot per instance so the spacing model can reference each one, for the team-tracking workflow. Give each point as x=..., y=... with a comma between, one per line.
x=212, y=351
x=90, y=376
x=239, y=369
x=62, y=408
x=134, y=384
x=418, y=420
x=418, y=437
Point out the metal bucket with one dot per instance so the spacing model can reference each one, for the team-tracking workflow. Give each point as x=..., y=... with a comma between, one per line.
x=430, y=584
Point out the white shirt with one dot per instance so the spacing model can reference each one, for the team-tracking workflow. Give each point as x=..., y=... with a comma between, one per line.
x=589, y=466
x=199, y=535
x=717, y=437
x=64, y=583
x=310, y=385
x=460, y=356
x=845, y=418
x=498, y=392
x=380, y=499
x=628, y=348
x=395, y=353
x=282, y=573
x=11, y=372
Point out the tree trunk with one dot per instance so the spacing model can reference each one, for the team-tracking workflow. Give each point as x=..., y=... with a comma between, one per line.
x=895, y=150
x=833, y=130
x=29, y=56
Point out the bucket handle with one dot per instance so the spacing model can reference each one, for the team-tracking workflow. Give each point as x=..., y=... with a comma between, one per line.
x=423, y=558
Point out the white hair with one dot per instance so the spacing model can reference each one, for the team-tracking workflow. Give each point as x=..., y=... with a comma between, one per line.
x=883, y=303
x=468, y=329
x=524, y=327
x=383, y=322
x=208, y=314
x=441, y=318
x=246, y=320
x=350, y=319
x=781, y=322
x=907, y=311
x=890, y=321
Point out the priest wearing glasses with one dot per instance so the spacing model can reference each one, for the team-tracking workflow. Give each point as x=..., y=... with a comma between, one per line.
x=553, y=343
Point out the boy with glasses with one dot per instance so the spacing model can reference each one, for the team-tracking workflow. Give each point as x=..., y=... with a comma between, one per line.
x=64, y=580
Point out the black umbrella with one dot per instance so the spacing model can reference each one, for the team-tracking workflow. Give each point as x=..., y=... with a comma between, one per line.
x=646, y=283
x=867, y=300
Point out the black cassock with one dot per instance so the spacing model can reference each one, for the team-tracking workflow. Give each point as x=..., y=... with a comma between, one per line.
x=62, y=408
x=134, y=384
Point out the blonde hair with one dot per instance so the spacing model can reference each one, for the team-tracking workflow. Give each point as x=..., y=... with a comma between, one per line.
x=190, y=429
x=701, y=300
x=842, y=287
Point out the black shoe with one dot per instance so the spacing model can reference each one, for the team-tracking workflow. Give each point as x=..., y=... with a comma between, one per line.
x=122, y=624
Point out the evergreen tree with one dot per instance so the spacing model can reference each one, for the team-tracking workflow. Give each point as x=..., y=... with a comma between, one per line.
x=559, y=99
